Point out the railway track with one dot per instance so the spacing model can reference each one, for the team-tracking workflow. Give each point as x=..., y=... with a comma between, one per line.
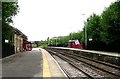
x=100, y=67
x=73, y=64
x=97, y=64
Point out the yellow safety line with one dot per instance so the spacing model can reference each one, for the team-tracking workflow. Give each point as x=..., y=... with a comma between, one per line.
x=46, y=70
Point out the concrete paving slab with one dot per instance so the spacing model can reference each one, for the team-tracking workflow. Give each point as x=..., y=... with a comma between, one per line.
x=25, y=64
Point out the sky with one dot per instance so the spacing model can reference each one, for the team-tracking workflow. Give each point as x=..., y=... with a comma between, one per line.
x=40, y=19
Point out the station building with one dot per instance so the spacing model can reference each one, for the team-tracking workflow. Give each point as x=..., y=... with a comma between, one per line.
x=20, y=41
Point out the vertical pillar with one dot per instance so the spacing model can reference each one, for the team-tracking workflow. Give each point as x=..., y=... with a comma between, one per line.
x=1, y=30
x=85, y=37
x=15, y=41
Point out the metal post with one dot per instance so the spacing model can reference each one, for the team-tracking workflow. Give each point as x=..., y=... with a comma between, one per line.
x=85, y=37
x=56, y=41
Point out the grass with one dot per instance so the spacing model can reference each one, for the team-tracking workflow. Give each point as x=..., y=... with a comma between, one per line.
x=43, y=45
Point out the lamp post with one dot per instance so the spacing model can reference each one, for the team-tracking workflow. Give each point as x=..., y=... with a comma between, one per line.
x=85, y=33
x=85, y=36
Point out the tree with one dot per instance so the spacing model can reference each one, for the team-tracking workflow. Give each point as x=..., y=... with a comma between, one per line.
x=77, y=36
x=111, y=23
x=93, y=27
x=9, y=9
x=37, y=43
x=105, y=29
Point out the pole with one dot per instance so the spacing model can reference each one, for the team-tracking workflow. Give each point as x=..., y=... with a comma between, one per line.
x=85, y=37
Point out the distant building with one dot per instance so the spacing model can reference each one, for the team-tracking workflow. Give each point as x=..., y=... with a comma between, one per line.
x=35, y=43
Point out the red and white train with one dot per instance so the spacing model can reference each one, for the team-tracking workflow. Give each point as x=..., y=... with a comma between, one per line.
x=75, y=44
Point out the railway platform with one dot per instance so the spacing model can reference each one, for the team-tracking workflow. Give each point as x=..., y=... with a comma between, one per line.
x=31, y=64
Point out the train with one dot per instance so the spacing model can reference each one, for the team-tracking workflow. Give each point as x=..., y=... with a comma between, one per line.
x=27, y=46
x=75, y=44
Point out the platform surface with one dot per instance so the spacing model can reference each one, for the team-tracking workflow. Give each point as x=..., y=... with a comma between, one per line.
x=35, y=63
x=50, y=67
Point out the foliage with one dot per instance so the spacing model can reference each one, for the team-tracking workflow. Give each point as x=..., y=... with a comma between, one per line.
x=63, y=40
x=111, y=23
x=104, y=30
x=43, y=44
x=37, y=43
x=78, y=35
x=9, y=9
x=93, y=27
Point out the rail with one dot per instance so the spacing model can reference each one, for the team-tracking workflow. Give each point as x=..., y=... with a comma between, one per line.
x=108, y=57
x=90, y=51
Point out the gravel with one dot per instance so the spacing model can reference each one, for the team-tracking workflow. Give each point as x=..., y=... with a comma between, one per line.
x=73, y=72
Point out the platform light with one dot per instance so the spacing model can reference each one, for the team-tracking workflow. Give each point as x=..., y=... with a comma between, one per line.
x=90, y=39
x=6, y=41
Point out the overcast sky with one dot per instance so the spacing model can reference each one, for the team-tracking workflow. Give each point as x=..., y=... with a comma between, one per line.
x=39, y=19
